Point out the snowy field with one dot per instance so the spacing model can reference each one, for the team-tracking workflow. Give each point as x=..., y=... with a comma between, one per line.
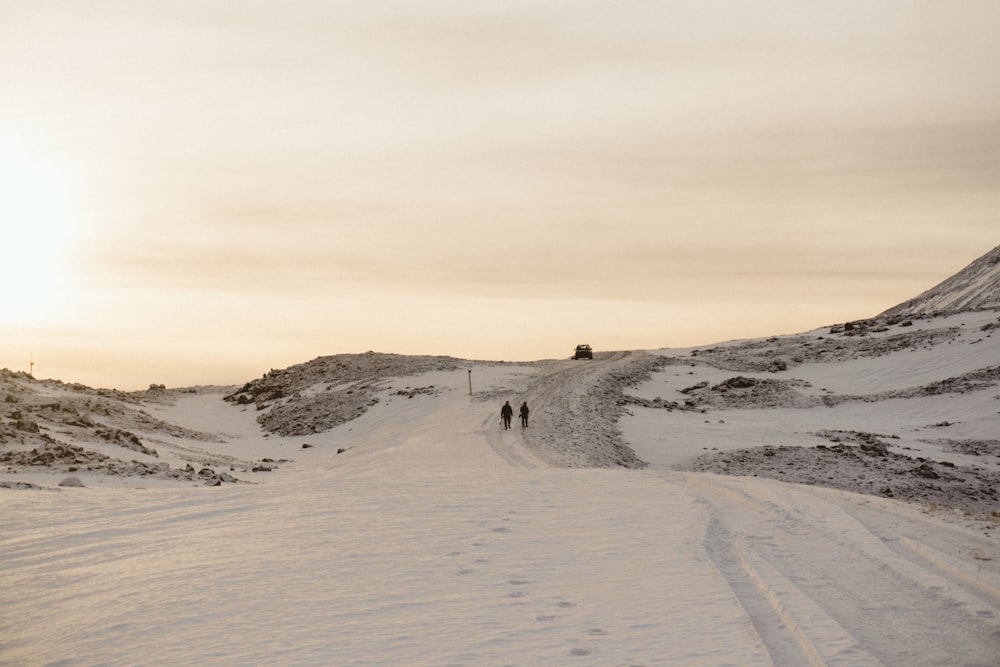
x=386, y=518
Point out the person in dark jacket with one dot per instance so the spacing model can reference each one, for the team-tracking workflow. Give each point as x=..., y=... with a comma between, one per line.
x=524, y=414
x=506, y=412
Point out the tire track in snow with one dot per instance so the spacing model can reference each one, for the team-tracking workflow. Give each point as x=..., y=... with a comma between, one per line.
x=784, y=639
x=989, y=593
x=934, y=558
x=840, y=594
x=783, y=615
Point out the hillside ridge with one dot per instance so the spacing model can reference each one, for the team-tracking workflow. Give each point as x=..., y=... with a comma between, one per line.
x=976, y=287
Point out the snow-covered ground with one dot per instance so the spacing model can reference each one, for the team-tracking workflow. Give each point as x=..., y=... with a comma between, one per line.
x=909, y=412
x=416, y=530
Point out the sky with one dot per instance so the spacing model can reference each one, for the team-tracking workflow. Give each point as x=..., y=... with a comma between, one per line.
x=198, y=192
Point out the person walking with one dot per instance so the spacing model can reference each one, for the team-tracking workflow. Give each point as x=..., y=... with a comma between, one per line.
x=506, y=412
x=524, y=414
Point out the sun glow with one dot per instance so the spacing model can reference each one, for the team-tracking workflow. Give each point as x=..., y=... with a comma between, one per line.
x=36, y=215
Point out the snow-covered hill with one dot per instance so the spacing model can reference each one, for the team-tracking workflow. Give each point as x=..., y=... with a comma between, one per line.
x=976, y=287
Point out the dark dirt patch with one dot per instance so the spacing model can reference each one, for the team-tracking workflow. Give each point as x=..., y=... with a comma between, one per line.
x=986, y=448
x=867, y=468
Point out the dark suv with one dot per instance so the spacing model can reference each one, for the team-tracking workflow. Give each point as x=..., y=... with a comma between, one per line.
x=583, y=352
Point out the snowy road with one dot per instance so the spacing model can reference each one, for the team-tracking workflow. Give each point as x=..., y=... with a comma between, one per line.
x=437, y=538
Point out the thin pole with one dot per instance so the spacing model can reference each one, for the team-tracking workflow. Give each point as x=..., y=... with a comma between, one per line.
x=470, y=382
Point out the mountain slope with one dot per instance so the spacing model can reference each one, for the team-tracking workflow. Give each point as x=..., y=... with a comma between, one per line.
x=976, y=287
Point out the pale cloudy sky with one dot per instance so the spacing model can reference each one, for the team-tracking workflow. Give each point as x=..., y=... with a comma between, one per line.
x=196, y=192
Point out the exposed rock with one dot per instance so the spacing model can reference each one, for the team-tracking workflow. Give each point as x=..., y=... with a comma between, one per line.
x=18, y=485
x=52, y=454
x=748, y=392
x=125, y=439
